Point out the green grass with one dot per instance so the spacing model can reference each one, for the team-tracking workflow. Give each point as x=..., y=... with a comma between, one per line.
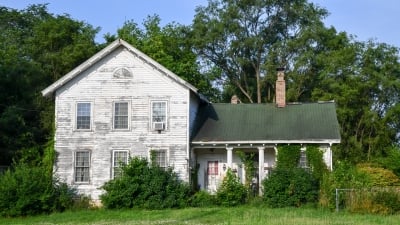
x=215, y=215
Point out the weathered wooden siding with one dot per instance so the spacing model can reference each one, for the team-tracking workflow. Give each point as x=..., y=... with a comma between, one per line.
x=98, y=86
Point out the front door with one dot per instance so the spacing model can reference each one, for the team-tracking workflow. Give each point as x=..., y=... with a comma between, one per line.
x=212, y=176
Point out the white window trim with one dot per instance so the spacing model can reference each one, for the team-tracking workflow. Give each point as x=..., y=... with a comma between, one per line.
x=129, y=116
x=76, y=116
x=74, y=166
x=159, y=149
x=113, y=160
x=303, y=153
x=166, y=113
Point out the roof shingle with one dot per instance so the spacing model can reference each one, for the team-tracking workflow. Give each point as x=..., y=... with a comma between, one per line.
x=303, y=123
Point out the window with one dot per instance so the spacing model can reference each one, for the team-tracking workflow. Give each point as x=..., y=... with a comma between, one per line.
x=82, y=166
x=83, y=113
x=159, y=114
x=120, y=157
x=121, y=113
x=303, y=159
x=212, y=168
x=122, y=73
x=159, y=157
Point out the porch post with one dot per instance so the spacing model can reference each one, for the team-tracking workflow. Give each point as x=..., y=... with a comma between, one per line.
x=260, y=168
x=276, y=153
x=229, y=156
x=330, y=157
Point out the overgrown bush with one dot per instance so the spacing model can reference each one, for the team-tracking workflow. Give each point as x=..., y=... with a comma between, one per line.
x=344, y=176
x=377, y=200
x=202, y=199
x=231, y=192
x=288, y=156
x=391, y=160
x=145, y=186
x=29, y=190
x=315, y=162
x=248, y=162
x=389, y=200
x=378, y=176
x=287, y=187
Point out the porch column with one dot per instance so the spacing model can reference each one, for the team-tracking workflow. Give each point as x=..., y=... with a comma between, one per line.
x=260, y=168
x=330, y=157
x=276, y=153
x=229, y=156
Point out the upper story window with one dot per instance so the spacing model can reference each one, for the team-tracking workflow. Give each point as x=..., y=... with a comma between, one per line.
x=159, y=115
x=82, y=166
x=121, y=115
x=120, y=158
x=83, y=115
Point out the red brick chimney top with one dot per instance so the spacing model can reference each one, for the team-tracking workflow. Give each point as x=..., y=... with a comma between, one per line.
x=280, y=88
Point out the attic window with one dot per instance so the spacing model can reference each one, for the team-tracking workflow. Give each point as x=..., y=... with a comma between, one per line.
x=122, y=73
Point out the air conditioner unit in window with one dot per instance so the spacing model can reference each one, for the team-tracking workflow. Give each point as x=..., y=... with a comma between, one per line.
x=158, y=126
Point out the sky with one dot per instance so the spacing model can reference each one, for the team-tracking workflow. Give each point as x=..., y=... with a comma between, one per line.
x=378, y=20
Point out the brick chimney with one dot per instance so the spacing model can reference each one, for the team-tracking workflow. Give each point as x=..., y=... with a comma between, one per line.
x=280, y=88
x=235, y=99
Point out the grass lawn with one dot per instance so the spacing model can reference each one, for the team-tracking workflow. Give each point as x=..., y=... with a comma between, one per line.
x=216, y=215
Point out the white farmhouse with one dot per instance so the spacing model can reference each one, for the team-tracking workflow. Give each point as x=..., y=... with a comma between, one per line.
x=120, y=103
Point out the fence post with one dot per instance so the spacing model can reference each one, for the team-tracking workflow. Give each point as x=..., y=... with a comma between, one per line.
x=337, y=199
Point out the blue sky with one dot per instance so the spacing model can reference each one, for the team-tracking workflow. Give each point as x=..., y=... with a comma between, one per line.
x=367, y=19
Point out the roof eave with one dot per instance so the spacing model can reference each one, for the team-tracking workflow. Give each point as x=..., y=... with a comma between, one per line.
x=72, y=74
x=111, y=47
x=310, y=141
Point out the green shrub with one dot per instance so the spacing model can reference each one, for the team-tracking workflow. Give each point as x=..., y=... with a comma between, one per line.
x=344, y=176
x=29, y=190
x=83, y=202
x=288, y=156
x=290, y=187
x=143, y=185
x=378, y=176
x=231, y=192
x=389, y=199
x=315, y=162
x=202, y=199
x=391, y=160
x=378, y=201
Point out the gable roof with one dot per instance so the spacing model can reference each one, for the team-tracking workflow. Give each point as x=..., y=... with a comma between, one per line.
x=266, y=123
x=106, y=51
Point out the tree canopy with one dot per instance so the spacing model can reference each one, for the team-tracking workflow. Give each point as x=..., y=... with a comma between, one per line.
x=36, y=49
x=232, y=47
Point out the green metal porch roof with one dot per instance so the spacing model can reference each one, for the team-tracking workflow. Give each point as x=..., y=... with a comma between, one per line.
x=259, y=123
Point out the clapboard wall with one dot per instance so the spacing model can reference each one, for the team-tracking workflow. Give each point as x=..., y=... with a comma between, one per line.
x=100, y=86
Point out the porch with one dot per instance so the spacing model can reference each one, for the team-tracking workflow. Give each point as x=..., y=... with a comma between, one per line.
x=212, y=163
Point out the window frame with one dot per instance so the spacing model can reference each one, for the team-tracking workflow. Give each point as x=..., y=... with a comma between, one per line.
x=127, y=116
x=152, y=102
x=76, y=181
x=126, y=73
x=90, y=116
x=166, y=156
x=113, y=165
x=303, y=161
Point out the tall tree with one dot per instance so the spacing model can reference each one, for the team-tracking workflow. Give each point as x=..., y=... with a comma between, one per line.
x=236, y=36
x=170, y=46
x=366, y=87
x=36, y=49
